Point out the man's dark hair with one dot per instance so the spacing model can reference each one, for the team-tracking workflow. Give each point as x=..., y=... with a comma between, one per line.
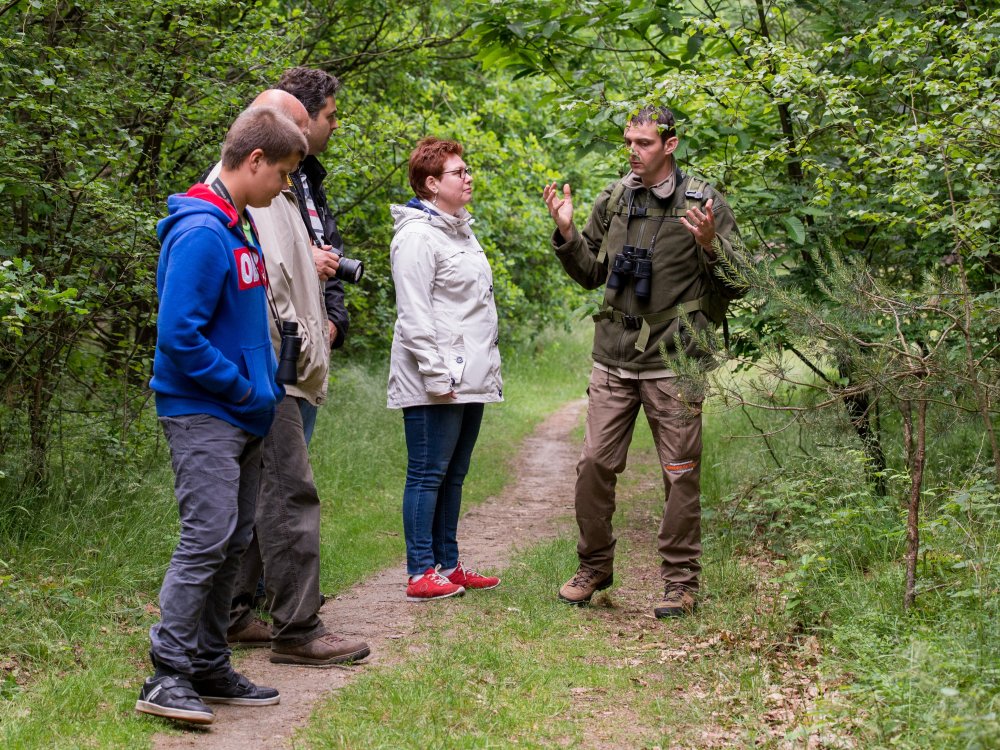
x=662, y=116
x=310, y=86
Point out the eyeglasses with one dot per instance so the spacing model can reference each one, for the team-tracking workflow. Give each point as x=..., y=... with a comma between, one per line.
x=462, y=173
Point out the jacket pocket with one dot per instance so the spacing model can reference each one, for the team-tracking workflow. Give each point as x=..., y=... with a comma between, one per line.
x=263, y=396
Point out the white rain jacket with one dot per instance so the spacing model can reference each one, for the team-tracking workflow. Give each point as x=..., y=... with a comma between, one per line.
x=446, y=335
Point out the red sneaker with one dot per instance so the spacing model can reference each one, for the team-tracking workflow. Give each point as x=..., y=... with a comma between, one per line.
x=432, y=585
x=470, y=579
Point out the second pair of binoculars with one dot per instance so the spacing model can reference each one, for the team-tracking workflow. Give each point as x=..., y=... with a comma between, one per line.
x=632, y=264
x=288, y=354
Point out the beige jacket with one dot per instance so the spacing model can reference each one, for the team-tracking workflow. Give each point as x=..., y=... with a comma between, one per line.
x=446, y=334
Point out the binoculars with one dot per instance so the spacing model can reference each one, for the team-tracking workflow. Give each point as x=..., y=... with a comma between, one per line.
x=288, y=355
x=632, y=264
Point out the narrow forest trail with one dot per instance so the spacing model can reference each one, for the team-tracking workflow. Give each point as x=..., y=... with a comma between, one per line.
x=536, y=505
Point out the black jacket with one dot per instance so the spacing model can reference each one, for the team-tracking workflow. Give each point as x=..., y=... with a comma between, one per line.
x=314, y=172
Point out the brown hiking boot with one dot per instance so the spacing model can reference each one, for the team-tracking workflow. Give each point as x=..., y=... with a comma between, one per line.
x=677, y=601
x=578, y=589
x=255, y=634
x=324, y=651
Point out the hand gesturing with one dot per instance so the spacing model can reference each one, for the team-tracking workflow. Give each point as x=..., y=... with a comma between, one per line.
x=702, y=225
x=560, y=208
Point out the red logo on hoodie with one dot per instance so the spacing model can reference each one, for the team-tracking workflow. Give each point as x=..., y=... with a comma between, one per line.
x=247, y=268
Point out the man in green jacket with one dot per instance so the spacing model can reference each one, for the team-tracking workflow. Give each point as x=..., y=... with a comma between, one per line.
x=653, y=239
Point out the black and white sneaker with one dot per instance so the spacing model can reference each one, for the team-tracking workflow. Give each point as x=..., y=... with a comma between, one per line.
x=235, y=690
x=173, y=697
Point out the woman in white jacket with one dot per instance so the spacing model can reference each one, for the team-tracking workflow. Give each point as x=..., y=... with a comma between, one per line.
x=445, y=363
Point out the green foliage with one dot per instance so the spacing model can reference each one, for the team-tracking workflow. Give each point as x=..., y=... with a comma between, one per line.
x=80, y=565
x=111, y=107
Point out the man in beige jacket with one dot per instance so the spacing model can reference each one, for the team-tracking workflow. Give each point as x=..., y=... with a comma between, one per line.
x=286, y=544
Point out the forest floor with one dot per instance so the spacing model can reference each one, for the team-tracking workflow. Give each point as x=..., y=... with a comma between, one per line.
x=537, y=504
x=731, y=676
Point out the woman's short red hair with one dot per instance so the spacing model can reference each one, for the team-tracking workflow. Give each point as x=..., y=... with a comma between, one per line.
x=427, y=160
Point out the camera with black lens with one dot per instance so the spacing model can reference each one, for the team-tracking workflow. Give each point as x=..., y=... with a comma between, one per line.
x=350, y=269
x=288, y=355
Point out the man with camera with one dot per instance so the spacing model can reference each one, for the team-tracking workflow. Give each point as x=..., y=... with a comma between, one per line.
x=654, y=240
x=317, y=90
x=286, y=545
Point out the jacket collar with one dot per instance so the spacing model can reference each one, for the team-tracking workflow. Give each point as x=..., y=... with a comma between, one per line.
x=203, y=192
x=313, y=170
x=662, y=190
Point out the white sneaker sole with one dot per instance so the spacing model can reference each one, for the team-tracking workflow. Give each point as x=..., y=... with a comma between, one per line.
x=243, y=701
x=178, y=714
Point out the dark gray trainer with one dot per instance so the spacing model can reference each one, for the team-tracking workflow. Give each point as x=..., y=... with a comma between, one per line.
x=235, y=690
x=172, y=697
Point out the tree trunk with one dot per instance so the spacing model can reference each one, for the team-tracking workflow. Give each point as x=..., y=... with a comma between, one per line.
x=860, y=409
x=917, y=459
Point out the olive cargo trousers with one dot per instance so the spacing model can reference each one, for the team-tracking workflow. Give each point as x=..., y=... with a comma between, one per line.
x=676, y=426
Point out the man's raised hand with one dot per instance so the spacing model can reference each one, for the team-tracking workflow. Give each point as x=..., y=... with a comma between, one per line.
x=560, y=208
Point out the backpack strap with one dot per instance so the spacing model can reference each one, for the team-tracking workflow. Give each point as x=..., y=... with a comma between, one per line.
x=616, y=200
x=694, y=197
x=694, y=192
x=643, y=322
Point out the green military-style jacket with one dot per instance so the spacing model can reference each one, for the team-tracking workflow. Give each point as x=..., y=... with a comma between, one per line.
x=628, y=332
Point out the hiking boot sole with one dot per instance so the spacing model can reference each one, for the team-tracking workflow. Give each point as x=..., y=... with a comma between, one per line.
x=580, y=602
x=249, y=644
x=272, y=701
x=178, y=714
x=303, y=661
x=664, y=613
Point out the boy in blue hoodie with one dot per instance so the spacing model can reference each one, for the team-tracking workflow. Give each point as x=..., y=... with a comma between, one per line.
x=214, y=378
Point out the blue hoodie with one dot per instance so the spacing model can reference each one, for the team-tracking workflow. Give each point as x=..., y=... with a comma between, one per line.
x=213, y=345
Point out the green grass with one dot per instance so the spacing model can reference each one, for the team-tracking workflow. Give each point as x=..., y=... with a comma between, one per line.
x=801, y=636
x=515, y=667
x=801, y=631
x=80, y=567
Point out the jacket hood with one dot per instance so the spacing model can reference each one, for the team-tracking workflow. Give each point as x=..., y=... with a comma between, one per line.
x=199, y=199
x=421, y=211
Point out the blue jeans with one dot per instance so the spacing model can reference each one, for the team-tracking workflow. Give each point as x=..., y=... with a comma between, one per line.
x=309, y=413
x=216, y=475
x=439, y=443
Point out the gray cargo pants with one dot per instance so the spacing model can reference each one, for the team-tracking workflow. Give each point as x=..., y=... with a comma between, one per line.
x=287, y=536
x=216, y=473
x=676, y=426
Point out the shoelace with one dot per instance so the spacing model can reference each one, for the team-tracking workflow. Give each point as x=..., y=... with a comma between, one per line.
x=439, y=579
x=674, y=592
x=583, y=578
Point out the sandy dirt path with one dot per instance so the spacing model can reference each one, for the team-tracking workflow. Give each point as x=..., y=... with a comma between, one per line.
x=536, y=505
